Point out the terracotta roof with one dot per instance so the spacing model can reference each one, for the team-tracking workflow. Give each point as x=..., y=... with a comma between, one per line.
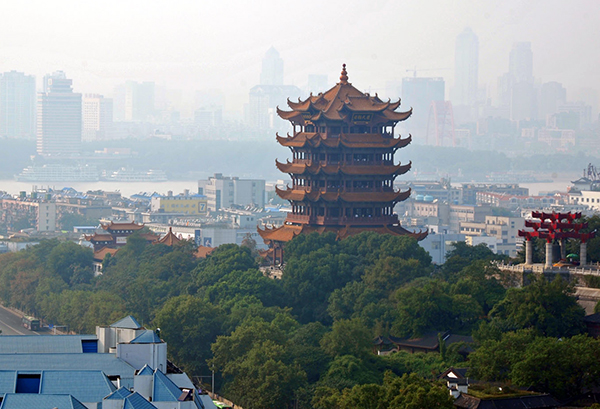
x=315, y=169
x=368, y=140
x=289, y=231
x=316, y=195
x=100, y=254
x=169, y=239
x=99, y=237
x=203, y=251
x=339, y=102
x=122, y=226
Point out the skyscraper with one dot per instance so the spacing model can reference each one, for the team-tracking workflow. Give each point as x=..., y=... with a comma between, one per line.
x=272, y=68
x=520, y=69
x=17, y=105
x=134, y=101
x=419, y=93
x=97, y=117
x=466, y=68
x=59, y=117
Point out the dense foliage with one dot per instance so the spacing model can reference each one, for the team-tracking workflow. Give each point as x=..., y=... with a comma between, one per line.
x=305, y=341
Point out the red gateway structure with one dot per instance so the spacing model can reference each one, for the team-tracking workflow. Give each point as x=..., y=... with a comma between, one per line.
x=342, y=167
x=555, y=227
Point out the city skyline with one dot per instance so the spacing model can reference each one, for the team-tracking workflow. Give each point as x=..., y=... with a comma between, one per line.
x=166, y=45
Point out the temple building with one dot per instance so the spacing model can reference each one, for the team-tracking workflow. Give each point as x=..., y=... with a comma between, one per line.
x=342, y=166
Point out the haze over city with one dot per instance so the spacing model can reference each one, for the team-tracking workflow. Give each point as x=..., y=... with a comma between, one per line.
x=192, y=45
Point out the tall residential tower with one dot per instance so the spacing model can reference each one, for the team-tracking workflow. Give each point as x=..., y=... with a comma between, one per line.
x=59, y=117
x=17, y=105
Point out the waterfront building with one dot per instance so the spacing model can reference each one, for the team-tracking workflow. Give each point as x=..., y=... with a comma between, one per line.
x=223, y=192
x=17, y=105
x=59, y=117
x=97, y=117
x=184, y=204
x=342, y=167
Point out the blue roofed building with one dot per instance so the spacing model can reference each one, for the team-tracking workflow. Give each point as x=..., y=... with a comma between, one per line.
x=112, y=370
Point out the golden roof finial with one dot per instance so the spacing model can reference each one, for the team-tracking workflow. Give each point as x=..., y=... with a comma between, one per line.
x=344, y=76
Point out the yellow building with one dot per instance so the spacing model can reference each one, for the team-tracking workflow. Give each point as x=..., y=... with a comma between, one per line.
x=182, y=203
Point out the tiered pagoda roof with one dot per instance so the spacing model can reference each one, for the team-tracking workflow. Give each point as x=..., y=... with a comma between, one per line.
x=287, y=232
x=339, y=103
x=316, y=195
x=169, y=239
x=316, y=168
x=315, y=140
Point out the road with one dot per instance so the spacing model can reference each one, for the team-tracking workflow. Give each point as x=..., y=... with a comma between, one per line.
x=10, y=323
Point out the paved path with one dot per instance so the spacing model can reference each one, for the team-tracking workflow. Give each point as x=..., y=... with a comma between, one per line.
x=10, y=323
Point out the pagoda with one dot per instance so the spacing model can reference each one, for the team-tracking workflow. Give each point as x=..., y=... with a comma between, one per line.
x=342, y=167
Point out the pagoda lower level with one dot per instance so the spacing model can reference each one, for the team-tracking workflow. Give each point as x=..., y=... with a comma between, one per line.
x=342, y=169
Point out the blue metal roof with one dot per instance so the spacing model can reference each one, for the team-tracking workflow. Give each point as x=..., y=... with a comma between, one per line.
x=107, y=363
x=128, y=322
x=164, y=389
x=42, y=344
x=146, y=337
x=120, y=393
x=33, y=400
x=7, y=381
x=136, y=401
x=146, y=370
x=85, y=386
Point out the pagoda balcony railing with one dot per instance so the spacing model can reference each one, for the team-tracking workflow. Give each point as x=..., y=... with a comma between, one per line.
x=343, y=220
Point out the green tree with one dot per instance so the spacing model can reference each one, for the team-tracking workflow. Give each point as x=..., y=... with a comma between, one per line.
x=348, y=337
x=189, y=325
x=547, y=307
x=71, y=262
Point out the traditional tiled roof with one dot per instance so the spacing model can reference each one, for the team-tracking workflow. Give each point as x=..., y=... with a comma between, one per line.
x=122, y=226
x=100, y=254
x=164, y=390
x=42, y=344
x=302, y=139
x=315, y=169
x=128, y=322
x=96, y=237
x=287, y=232
x=203, y=251
x=341, y=101
x=317, y=195
x=34, y=400
x=146, y=337
x=169, y=239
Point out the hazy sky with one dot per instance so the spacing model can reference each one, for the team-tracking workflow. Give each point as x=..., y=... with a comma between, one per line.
x=219, y=44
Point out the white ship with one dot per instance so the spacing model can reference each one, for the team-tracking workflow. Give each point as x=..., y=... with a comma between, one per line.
x=130, y=175
x=59, y=173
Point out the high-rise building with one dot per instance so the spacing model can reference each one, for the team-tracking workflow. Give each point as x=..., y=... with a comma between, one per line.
x=419, y=93
x=134, y=101
x=552, y=94
x=59, y=117
x=272, y=68
x=97, y=117
x=466, y=68
x=17, y=105
x=522, y=95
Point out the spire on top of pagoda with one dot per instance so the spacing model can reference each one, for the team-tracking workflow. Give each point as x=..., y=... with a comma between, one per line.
x=344, y=75
x=341, y=102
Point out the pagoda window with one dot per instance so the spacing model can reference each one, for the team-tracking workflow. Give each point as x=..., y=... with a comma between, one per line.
x=363, y=129
x=352, y=129
x=321, y=183
x=309, y=128
x=334, y=212
x=321, y=211
x=345, y=129
x=322, y=156
x=335, y=130
x=348, y=158
x=333, y=158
